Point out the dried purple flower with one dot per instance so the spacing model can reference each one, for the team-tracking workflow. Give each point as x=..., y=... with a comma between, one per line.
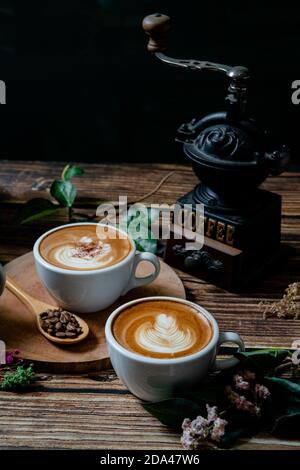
x=212, y=413
x=261, y=391
x=186, y=424
x=200, y=427
x=11, y=357
x=240, y=383
x=188, y=442
x=241, y=403
x=296, y=357
x=218, y=429
x=257, y=411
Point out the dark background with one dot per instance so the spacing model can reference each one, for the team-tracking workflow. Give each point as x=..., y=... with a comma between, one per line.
x=81, y=85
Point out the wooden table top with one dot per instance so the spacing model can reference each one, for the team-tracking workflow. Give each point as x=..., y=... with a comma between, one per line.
x=96, y=411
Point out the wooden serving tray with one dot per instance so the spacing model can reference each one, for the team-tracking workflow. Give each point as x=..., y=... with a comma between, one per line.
x=18, y=328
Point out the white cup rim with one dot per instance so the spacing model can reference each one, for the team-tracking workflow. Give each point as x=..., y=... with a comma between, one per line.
x=77, y=272
x=161, y=361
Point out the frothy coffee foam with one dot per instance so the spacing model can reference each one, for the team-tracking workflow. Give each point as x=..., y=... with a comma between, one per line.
x=79, y=248
x=162, y=329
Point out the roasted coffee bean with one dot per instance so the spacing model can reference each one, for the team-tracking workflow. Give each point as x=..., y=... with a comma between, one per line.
x=58, y=326
x=60, y=334
x=63, y=318
x=70, y=327
x=70, y=334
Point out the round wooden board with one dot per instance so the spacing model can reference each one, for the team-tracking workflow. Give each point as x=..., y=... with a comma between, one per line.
x=18, y=328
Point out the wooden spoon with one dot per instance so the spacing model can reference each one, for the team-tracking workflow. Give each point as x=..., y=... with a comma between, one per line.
x=37, y=307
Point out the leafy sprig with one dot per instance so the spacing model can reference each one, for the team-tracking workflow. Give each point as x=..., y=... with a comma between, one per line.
x=62, y=190
x=15, y=380
x=64, y=193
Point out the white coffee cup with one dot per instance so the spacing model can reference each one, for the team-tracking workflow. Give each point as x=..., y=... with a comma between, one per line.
x=85, y=291
x=153, y=379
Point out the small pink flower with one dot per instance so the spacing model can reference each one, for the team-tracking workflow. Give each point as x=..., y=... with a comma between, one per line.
x=186, y=424
x=243, y=404
x=199, y=427
x=187, y=440
x=11, y=357
x=218, y=430
x=240, y=383
x=212, y=413
x=296, y=357
x=257, y=411
x=262, y=391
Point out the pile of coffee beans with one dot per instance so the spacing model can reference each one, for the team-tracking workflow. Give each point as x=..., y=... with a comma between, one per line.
x=60, y=323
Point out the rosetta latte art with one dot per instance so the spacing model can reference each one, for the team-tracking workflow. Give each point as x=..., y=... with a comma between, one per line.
x=165, y=336
x=162, y=329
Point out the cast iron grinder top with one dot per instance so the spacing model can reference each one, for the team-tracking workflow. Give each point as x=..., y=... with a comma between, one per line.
x=228, y=152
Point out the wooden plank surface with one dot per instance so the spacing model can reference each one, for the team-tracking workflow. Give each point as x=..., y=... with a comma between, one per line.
x=91, y=413
x=97, y=412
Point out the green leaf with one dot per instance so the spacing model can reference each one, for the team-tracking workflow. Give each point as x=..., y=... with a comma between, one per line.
x=264, y=360
x=284, y=408
x=173, y=411
x=70, y=171
x=64, y=192
x=284, y=386
x=146, y=245
x=210, y=392
x=33, y=210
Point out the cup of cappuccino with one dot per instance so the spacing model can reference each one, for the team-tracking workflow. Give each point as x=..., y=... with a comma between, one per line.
x=87, y=266
x=159, y=345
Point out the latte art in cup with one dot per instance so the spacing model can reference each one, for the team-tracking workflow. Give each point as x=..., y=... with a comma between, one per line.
x=162, y=329
x=80, y=248
x=164, y=336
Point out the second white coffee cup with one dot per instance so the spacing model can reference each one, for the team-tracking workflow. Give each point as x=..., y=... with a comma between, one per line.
x=154, y=379
x=92, y=290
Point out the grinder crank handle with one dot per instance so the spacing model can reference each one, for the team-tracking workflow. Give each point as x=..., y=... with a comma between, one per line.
x=157, y=26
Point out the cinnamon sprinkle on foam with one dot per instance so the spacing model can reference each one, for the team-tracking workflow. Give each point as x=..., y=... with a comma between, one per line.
x=87, y=250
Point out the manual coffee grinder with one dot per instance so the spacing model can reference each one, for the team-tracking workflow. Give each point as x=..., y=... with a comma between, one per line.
x=232, y=157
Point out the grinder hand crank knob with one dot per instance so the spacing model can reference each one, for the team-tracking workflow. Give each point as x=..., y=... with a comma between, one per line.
x=156, y=26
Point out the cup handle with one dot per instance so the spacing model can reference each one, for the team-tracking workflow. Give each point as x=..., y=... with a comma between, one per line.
x=228, y=336
x=2, y=279
x=141, y=281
